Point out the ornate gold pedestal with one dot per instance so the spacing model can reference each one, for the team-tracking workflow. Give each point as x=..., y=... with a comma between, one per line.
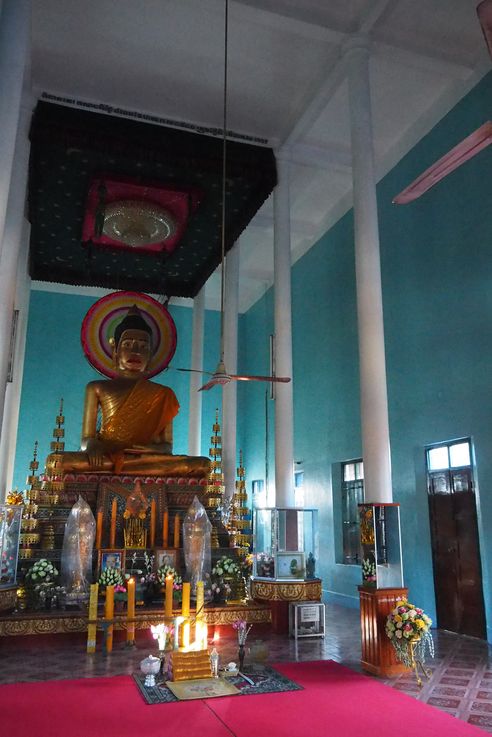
x=378, y=654
x=280, y=593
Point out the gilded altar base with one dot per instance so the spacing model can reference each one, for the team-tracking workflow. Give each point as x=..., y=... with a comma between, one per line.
x=60, y=622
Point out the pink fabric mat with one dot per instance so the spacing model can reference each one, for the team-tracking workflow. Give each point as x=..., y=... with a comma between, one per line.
x=335, y=702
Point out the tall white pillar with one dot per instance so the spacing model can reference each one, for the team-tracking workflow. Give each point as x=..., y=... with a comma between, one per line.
x=229, y=391
x=13, y=245
x=11, y=412
x=15, y=25
x=284, y=402
x=373, y=390
x=196, y=380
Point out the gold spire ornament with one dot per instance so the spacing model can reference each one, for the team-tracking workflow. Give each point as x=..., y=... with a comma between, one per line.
x=53, y=483
x=30, y=537
x=215, y=485
x=239, y=525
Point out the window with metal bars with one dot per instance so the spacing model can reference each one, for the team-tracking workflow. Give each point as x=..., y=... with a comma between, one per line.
x=352, y=496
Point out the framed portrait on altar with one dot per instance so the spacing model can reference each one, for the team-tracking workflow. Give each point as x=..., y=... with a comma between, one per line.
x=111, y=558
x=165, y=557
x=290, y=565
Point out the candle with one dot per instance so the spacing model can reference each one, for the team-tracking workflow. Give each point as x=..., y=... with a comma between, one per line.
x=112, y=536
x=152, y=523
x=165, y=529
x=99, y=529
x=130, y=625
x=168, y=601
x=109, y=614
x=199, y=599
x=177, y=622
x=186, y=635
x=176, y=531
x=185, y=607
x=92, y=628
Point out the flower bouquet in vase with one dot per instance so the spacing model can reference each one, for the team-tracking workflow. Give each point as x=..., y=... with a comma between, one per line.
x=242, y=629
x=162, y=573
x=408, y=629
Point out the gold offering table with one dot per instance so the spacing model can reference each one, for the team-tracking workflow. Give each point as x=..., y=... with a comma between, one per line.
x=64, y=622
x=278, y=593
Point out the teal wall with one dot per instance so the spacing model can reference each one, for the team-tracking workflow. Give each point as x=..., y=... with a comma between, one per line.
x=55, y=367
x=436, y=256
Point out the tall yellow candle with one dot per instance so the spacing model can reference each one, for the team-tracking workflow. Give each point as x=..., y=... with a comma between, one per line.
x=92, y=628
x=109, y=614
x=99, y=529
x=185, y=606
x=130, y=625
x=186, y=635
x=165, y=529
x=199, y=599
x=176, y=531
x=152, y=523
x=112, y=535
x=168, y=602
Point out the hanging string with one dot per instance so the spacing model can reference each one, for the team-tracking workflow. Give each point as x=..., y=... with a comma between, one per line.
x=224, y=169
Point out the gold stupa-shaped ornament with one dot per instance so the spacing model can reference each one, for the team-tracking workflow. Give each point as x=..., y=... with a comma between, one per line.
x=239, y=525
x=215, y=485
x=30, y=536
x=53, y=481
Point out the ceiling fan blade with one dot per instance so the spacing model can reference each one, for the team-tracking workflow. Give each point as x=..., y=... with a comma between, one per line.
x=194, y=371
x=283, y=379
x=484, y=12
x=215, y=381
x=470, y=146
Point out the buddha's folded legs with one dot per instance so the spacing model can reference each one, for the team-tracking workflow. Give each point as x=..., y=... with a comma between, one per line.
x=153, y=464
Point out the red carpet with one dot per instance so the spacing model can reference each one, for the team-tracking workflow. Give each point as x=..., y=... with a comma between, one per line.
x=335, y=702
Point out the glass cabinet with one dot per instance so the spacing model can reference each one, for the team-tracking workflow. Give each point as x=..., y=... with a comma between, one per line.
x=285, y=543
x=381, y=545
x=10, y=526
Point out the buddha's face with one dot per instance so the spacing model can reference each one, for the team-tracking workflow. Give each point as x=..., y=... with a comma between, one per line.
x=133, y=353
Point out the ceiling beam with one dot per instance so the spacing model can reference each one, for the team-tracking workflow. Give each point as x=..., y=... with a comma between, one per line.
x=297, y=227
x=336, y=158
x=417, y=59
x=267, y=14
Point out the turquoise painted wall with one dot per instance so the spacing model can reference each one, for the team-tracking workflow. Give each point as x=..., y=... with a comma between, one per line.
x=437, y=277
x=55, y=367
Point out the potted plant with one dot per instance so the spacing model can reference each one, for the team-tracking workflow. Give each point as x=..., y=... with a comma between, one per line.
x=40, y=582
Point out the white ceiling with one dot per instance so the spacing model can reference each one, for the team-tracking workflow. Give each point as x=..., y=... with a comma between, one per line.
x=287, y=84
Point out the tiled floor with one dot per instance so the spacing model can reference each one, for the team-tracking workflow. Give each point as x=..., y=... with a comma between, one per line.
x=460, y=684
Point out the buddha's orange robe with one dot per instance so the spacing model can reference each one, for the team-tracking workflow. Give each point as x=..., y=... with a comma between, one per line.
x=141, y=417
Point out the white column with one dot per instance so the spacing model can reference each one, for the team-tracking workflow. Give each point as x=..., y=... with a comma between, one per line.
x=373, y=391
x=13, y=245
x=196, y=380
x=15, y=24
x=229, y=391
x=10, y=424
x=284, y=403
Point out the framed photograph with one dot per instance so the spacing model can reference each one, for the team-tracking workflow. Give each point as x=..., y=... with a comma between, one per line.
x=290, y=565
x=165, y=557
x=111, y=558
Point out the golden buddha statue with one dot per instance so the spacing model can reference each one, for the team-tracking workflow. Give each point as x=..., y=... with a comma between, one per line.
x=136, y=414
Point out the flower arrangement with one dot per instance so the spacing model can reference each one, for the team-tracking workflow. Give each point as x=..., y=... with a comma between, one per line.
x=242, y=629
x=43, y=571
x=111, y=577
x=225, y=566
x=120, y=593
x=368, y=571
x=406, y=624
x=164, y=571
x=265, y=565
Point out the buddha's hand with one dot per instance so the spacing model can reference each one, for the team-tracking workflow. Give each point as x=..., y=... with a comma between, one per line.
x=95, y=453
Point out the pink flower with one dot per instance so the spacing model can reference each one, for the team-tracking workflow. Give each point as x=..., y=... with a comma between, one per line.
x=408, y=627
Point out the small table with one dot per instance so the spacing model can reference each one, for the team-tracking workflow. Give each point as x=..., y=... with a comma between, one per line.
x=280, y=592
x=306, y=619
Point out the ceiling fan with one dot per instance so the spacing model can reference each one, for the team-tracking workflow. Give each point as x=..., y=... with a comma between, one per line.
x=220, y=375
x=470, y=146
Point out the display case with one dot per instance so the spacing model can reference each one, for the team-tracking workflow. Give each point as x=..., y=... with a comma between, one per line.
x=10, y=526
x=285, y=543
x=381, y=545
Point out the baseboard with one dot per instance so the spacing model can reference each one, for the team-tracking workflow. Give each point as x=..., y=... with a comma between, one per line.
x=334, y=597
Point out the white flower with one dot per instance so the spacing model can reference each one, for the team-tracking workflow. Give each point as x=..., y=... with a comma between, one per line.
x=399, y=633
